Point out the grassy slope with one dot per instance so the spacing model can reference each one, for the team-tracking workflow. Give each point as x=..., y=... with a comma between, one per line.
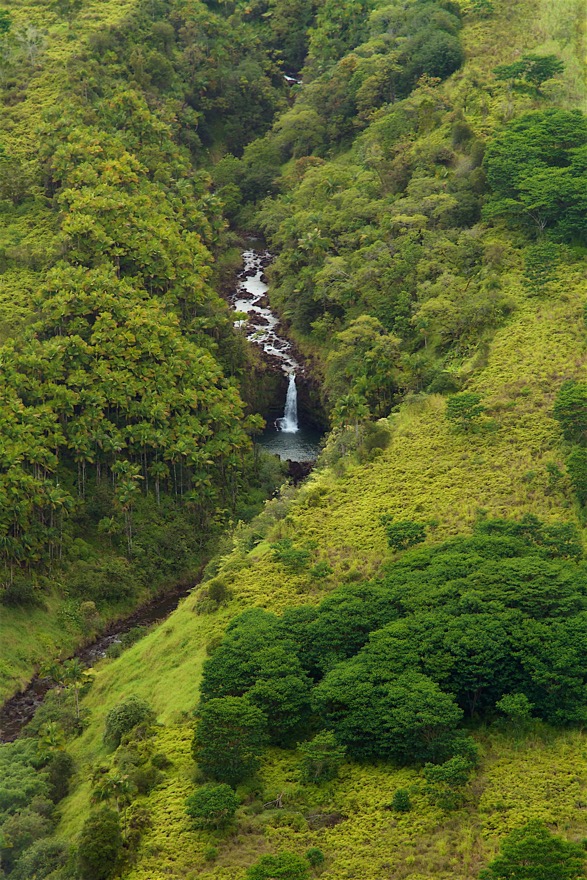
x=426, y=473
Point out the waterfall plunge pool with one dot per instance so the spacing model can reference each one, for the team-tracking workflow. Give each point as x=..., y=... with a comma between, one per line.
x=304, y=445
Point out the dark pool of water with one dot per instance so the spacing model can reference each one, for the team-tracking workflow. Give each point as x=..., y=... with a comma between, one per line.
x=303, y=446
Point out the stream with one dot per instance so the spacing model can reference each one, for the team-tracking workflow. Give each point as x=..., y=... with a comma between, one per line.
x=17, y=711
x=287, y=437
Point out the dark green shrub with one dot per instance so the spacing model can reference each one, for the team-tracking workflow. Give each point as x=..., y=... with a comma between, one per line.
x=229, y=739
x=111, y=579
x=540, y=264
x=438, y=54
x=534, y=853
x=322, y=758
x=570, y=410
x=41, y=860
x=284, y=866
x=401, y=802
x=212, y=806
x=577, y=468
x=218, y=591
x=59, y=771
x=99, y=846
x=408, y=718
x=122, y=718
x=20, y=831
x=19, y=591
x=294, y=559
x=445, y=781
x=377, y=436
x=464, y=410
x=516, y=707
x=404, y=534
x=132, y=636
x=315, y=857
x=321, y=570
x=59, y=707
x=20, y=779
x=161, y=761
x=146, y=778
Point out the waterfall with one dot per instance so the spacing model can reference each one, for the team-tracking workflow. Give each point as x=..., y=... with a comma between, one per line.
x=289, y=423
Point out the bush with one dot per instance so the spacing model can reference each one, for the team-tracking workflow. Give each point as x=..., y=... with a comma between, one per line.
x=105, y=580
x=516, y=707
x=570, y=410
x=229, y=739
x=41, y=860
x=405, y=534
x=99, y=846
x=294, y=559
x=19, y=592
x=59, y=771
x=401, y=802
x=122, y=718
x=533, y=853
x=161, y=761
x=285, y=866
x=212, y=806
x=322, y=758
x=19, y=832
x=315, y=857
x=577, y=468
x=218, y=591
x=20, y=778
x=464, y=410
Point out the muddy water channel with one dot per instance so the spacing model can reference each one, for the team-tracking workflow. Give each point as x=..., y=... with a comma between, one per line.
x=16, y=713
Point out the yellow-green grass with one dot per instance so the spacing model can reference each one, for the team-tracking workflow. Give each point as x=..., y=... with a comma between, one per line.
x=537, y=776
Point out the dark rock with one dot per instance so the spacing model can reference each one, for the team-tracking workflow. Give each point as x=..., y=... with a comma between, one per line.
x=299, y=470
x=324, y=820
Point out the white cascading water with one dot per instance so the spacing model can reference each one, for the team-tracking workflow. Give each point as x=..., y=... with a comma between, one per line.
x=289, y=423
x=285, y=437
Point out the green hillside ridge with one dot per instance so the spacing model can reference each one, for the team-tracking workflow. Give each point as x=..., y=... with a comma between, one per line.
x=510, y=464
x=427, y=473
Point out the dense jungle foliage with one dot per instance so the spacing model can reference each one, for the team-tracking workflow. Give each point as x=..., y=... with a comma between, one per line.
x=125, y=444
x=383, y=672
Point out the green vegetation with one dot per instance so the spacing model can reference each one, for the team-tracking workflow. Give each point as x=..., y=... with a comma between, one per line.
x=125, y=444
x=387, y=664
x=212, y=806
x=124, y=717
x=285, y=866
x=450, y=630
x=228, y=740
x=532, y=853
x=99, y=846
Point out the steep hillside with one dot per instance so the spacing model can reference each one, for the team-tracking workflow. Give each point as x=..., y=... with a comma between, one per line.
x=415, y=465
x=426, y=473
x=123, y=425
